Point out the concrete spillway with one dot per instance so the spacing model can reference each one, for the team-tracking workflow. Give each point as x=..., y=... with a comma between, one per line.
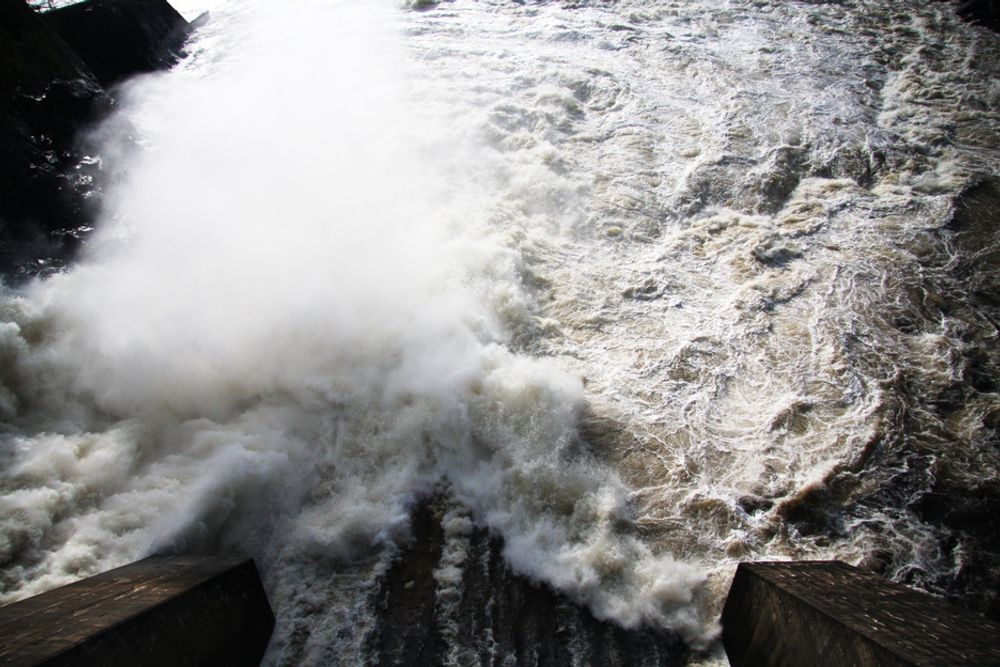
x=832, y=614
x=159, y=611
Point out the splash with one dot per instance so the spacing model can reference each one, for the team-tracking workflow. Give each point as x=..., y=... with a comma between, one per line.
x=293, y=321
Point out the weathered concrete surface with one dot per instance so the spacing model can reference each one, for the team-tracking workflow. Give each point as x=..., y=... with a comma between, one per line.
x=46, y=94
x=829, y=613
x=158, y=611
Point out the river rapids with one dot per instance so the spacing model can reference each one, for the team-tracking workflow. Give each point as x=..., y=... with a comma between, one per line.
x=636, y=289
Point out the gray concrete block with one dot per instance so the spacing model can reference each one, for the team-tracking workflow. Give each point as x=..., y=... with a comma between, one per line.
x=158, y=611
x=829, y=613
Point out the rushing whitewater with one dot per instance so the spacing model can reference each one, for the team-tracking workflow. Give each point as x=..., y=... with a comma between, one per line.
x=643, y=288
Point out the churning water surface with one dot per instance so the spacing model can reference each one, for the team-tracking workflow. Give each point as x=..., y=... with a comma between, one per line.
x=643, y=288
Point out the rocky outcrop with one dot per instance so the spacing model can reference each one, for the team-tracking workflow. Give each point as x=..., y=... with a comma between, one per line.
x=120, y=38
x=46, y=94
x=49, y=91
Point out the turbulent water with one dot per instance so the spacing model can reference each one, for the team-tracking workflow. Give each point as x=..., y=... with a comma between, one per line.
x=643, y=289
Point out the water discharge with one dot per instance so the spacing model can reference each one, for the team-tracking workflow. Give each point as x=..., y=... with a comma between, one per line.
x=647, y=287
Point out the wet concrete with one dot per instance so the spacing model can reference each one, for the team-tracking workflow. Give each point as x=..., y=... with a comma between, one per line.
x=829, y=613
x=159, y=611
x=495, y=617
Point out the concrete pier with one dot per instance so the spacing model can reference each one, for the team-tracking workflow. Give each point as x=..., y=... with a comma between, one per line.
x=829, y=613
x=158, y=611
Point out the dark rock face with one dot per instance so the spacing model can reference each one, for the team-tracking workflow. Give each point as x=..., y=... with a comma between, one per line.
x=119, y=38
x=493, y=616
x=46, y=94
x=983, y=12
